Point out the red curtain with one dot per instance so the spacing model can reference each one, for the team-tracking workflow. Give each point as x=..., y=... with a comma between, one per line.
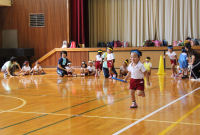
x=80, y=22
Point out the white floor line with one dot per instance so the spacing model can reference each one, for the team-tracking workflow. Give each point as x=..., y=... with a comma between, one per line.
x=104, y=117
x=161, y=121
x=156, y=111
x=20, y=106
x=57, y=114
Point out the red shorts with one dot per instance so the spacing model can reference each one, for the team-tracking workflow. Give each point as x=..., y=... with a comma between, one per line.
x=98, y=65
x=110, y=63
x=137, y=84
x=173, y=62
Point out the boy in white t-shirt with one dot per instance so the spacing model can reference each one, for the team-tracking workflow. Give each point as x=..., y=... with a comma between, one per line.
x=91, y=68
x=110, y=61
x=98, y=63
x=37, y=69
x=26, y=69
x=70, y=70
x=173, y=59
x=137, y=71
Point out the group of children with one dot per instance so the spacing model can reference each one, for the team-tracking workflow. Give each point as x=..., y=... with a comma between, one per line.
x=10, y=67
x=189, y=60
x=136, y=70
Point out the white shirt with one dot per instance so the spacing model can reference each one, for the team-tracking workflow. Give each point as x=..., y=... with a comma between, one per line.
x=98, y=58
x=171, y=55
x=26, y=68
x=37, y=68
x=6, y=65
x=137, y=72
x=69, y=69
x=123, y=69
x=91, y=69
x=110, y=56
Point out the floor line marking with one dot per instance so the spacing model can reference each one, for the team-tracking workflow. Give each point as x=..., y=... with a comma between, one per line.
x=179, y=120
x=104, y=117
x=33, y=118
x=154, y=112
x=74, y=116
x=15, y=108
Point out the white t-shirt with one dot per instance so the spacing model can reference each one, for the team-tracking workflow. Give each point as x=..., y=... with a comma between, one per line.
x=91, y=69
x=98, y=58
x=171, y=55
x=37, y=68
x=123, y=69
x=26, y=68
x=137, y=72
x=69, y=69
x=6, y=65
x=110, y=56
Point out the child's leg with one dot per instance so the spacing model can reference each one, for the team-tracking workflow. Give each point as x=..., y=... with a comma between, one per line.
x=147, y=77
x=140, y=93
x=96, y=73
x=173, y=69
x=134, y=105
x=110, y=72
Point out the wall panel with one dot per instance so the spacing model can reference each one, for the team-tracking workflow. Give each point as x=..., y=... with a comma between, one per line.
x=41, y=39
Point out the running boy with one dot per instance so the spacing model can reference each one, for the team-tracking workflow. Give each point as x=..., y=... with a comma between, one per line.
x=136, y=70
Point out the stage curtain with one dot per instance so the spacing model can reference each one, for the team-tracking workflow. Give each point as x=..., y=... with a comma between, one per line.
x=138, y=20
x=79, y=21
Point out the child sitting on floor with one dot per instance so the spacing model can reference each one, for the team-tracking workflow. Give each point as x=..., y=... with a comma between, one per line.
x=37, y=69
x=84, y=70
x=124, y=68
x=26, y=69
x=91, y=68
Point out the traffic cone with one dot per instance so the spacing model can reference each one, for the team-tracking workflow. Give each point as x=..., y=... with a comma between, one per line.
x=161, y=82
x=161, y=70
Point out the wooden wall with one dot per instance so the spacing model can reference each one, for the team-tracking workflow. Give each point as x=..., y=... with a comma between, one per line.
x=76, y=57
x=41, y=39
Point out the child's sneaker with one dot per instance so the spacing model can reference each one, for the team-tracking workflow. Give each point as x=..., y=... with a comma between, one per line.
x=5, y=76
x=110, y=77
x=134, y=105
x=114, y=75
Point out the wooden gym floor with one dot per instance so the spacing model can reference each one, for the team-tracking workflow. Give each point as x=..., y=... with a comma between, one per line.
x=49, y=105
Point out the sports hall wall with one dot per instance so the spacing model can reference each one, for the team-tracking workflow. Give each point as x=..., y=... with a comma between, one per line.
x=42, y=39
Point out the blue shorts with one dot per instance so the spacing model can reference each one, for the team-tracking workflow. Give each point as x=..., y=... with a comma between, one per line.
x=61, y=72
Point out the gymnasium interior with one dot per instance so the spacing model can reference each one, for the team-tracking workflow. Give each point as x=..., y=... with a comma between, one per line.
x=47, y=103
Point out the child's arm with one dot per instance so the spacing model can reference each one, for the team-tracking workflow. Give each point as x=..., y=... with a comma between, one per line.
x=59, y=66
x=127, y=76
x=192, y=61
x=8, y=71
x=19, y=66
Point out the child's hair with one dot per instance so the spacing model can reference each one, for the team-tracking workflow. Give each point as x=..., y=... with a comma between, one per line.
x=13, y=59
x=148, y=58
x=69, y=63
x=139, y=53
x=170, y=47
x=187, y=45
x=83, y=63
x=188, y=38
x=110, y=48
x=25, y=62
x=126, y=61
x=183, y=49
x=90, y=61
x=99, y=52
x=64, y=52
